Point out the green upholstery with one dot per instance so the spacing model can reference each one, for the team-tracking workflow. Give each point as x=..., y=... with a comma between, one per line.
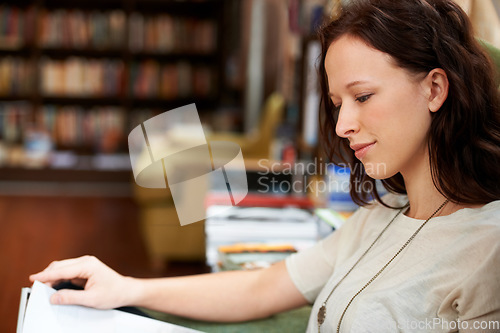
x=290, y=322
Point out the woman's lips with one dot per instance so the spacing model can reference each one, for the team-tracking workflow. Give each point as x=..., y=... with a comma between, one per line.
x=360, y=150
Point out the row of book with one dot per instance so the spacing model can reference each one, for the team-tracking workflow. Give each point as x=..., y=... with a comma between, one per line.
x=79, y=29
x=69, y=125
x=82, y=77
x=16, y=26
x=65, y=125
x=74, y=28
x=16, y=76
x=165, y=33
x=78, y=126
x=177, y=80
x=14, y=116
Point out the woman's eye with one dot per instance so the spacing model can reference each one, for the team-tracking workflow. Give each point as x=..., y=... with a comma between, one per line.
x=363, y=98
x=336, y=108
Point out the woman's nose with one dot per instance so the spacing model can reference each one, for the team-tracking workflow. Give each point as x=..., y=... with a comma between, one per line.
x=347, y=123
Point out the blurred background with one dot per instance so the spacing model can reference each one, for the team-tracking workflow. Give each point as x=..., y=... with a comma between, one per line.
x=77, y=76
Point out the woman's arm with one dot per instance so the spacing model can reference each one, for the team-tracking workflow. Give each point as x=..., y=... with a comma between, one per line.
x=226, y=296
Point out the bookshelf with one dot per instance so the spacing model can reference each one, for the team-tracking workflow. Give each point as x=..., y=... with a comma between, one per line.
x=78, y=76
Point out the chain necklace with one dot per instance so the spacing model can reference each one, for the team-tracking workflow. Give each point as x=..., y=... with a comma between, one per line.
x=322, y=310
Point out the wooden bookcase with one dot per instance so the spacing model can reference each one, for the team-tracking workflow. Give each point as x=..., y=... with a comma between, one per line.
x=85, y=72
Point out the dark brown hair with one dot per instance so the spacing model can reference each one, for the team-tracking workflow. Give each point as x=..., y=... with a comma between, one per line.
x=464, y=136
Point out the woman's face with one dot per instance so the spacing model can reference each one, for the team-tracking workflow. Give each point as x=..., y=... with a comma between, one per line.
x=383, y=110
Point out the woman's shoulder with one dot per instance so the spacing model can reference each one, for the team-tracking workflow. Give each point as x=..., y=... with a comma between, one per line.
x=488, y=214
x=491, y=209
x=477, y=229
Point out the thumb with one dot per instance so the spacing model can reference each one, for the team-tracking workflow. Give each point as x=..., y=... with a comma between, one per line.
x=68, y=296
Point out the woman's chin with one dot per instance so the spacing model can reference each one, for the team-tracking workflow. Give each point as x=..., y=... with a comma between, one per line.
x=377, y=170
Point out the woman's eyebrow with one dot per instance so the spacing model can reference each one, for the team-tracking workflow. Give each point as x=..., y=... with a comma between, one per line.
x=350, y=85
x=355, y=83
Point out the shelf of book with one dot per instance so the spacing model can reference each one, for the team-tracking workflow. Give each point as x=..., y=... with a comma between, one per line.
x=141, y=57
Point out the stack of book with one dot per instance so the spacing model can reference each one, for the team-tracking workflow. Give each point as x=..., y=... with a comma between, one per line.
x=256, y=230
x=252, y=256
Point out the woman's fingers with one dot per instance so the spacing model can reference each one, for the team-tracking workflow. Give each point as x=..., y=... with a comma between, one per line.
x=78, y=268
x=103, y=287
x=69, y=296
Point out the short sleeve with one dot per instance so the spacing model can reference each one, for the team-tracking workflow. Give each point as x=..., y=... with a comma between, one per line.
x=311, y=268
x=477, y=299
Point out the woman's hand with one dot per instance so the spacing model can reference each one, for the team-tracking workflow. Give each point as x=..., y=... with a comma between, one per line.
x=223, y=297
x=103, y=287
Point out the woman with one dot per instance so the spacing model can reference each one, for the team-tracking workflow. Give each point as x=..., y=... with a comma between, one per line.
x=412, y=99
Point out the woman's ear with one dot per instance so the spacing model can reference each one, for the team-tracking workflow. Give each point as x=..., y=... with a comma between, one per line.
x=437, y=82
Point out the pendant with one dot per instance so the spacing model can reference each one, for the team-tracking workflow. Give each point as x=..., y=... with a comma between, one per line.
x=321, y=314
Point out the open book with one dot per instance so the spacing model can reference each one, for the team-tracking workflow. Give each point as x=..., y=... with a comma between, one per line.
x=37, y=315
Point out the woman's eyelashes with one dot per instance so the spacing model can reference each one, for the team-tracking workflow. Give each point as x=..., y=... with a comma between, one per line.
x=360, y=99
x=363, y=98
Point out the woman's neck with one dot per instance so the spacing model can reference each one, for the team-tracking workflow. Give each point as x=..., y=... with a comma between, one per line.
x=424, y=197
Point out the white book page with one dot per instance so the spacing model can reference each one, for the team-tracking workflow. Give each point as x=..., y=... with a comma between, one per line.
x=22, y=309
x=43, y=317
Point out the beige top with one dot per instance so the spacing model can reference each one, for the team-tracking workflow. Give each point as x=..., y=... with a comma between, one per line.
x=447, y=279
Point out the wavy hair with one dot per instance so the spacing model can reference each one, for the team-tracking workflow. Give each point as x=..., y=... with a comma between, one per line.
x=464, y=136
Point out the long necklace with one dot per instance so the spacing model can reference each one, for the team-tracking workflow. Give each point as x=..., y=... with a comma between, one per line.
x=322, y=310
